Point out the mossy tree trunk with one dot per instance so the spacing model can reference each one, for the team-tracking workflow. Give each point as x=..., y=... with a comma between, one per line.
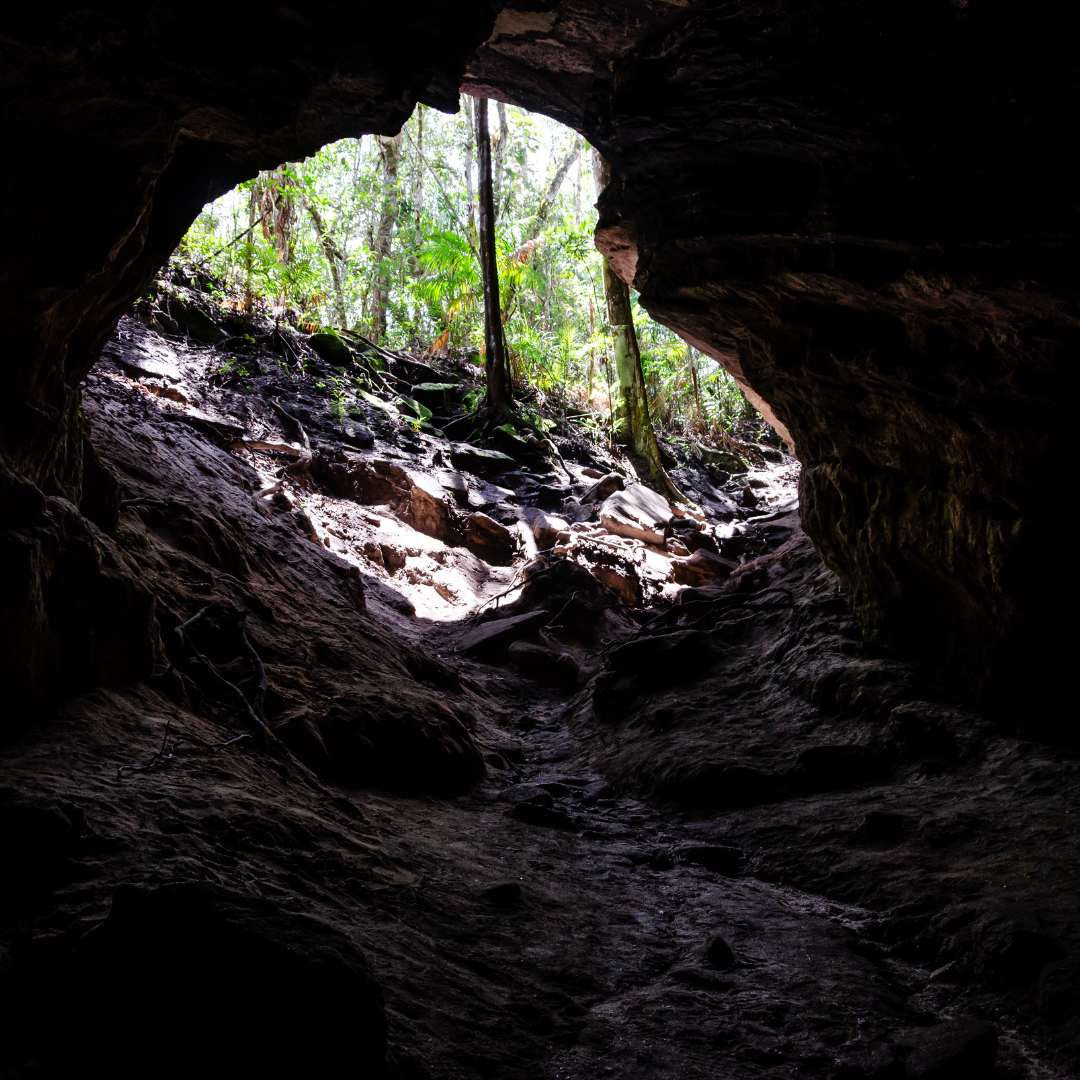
x=497, y=371
x=634, y=428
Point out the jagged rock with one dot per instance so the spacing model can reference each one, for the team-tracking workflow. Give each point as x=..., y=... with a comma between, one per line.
x=543, y=664
x=480, y=460
x=435, y=395
x=496, y=635
x=36, y=837
x=701, y=568
x=427, y=510
x=546, y=817
x=603, y=487
x=248, y=989
x=964, y=1047
x=357, y=434
x=638, y=513
x=490, y=541
x=545, y=528
x=717, y=857
x=331, y=349
x=621, y=577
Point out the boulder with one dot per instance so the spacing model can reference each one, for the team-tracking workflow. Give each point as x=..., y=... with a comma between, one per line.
x=490, y=541
x=544, y=665
x=495, y=636
x=638, y=513
x=190, y=979
x=479, y=460
x=603, y=487
x=426, y=508
x=435, y=395
x=331, y=349
x=702, y=568
x=545, y=527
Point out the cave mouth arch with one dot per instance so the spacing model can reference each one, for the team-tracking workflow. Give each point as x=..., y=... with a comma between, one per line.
x=862, y=258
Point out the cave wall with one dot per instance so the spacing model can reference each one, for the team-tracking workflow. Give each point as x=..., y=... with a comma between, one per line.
x=862, y=210
x=866, y=213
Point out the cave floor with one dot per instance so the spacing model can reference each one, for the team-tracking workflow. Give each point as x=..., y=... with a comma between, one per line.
x=751, y=848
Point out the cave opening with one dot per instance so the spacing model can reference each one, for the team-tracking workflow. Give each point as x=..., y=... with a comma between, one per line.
x=809, y=811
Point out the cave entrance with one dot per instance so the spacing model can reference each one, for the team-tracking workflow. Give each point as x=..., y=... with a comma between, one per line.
x=345, y=291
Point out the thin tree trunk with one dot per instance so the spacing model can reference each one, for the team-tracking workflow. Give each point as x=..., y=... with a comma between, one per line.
x=470, y=148
x=497, y=372
x=417, y=197
x=390, y=150
x=500, y=191
x=635, y=425
x=333, y=260
x=691, y=360
x=249, y=250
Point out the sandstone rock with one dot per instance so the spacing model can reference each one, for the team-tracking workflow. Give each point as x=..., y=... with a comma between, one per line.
x=545, y=528
x=638, y=513
x=496, y=635
x=543, y=664
x=603, y=487
x=427, y=510
x=490, y=541
x=702, y=568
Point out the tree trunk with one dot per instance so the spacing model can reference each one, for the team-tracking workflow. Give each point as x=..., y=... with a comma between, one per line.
x=691, y=360
x=333, y=259
x=497, y=371
x=390, y=150
x=634, y=425
x=249, y=250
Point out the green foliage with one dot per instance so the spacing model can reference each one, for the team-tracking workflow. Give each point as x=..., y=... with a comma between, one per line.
x=298, y=243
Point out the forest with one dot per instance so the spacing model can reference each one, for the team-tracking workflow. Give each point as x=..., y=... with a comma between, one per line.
x=384, y=236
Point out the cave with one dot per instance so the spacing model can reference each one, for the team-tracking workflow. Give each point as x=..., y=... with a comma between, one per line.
x=865, y=214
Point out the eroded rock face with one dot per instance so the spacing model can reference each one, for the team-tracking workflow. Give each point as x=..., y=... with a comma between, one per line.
x=863, y=211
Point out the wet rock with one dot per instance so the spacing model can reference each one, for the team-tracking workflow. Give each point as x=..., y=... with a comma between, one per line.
x=426, y=509
x=636, y=512
x=717, y=857
x=490, y=541
x=37, y=835
x=194, y=980
x=621, y=577
x=718, y=954
x=603, y=488
x=702, y=568
x=495, y=636
x=331, y=349
x=505, y=896
x=546, y=817
x=356, y=434
x=1011, y=949
x=544, y=665
x=545, y=527
x=437, y=396
x=479, y=460
x=830, y=768
x=965, y=1047
x=883, y=829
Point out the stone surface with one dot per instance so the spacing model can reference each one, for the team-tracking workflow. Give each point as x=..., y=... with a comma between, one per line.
x=700, y=569
x=638, y=513
x=488, y=540
x=270, y=992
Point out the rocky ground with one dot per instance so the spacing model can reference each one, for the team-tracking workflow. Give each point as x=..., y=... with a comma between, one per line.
x=450, y=760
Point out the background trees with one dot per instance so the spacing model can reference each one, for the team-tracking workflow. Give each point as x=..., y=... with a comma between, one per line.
x=382, y=236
